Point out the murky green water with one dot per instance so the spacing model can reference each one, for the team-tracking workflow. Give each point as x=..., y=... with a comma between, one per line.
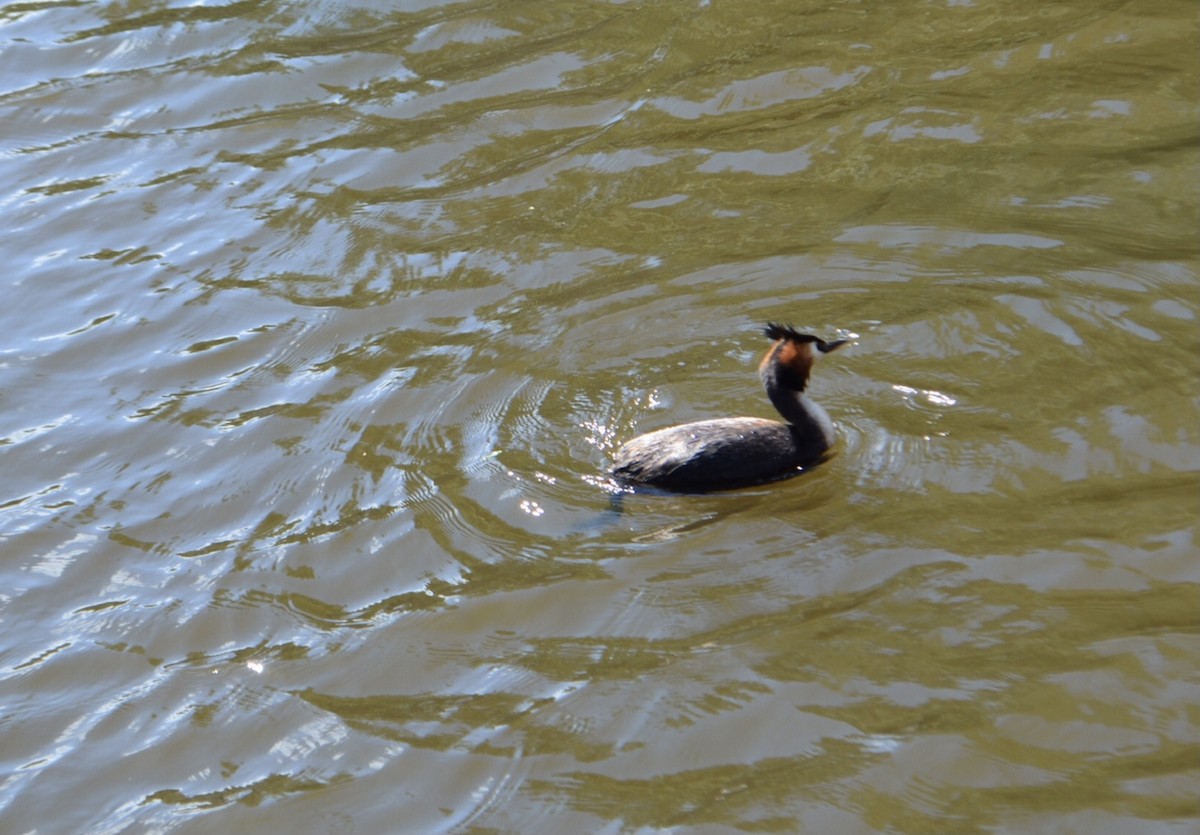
x=321, y=320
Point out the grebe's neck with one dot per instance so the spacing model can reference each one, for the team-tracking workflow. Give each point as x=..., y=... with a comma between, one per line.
x=793, y=405
x=784, y=373
x=805, y=417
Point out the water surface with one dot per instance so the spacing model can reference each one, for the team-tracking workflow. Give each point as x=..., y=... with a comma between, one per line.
x=323, y=319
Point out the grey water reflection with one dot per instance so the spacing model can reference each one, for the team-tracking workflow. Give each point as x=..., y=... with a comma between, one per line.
x=323, y=318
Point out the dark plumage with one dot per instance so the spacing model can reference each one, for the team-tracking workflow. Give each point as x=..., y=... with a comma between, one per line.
x=737, y=452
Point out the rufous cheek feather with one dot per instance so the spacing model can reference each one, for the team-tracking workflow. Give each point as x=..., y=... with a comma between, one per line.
x=789, y=362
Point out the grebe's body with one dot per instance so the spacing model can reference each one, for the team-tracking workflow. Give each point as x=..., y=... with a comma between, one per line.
x=737, y=452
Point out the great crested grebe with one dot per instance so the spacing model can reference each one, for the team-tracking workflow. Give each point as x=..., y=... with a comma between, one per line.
x=725, y=453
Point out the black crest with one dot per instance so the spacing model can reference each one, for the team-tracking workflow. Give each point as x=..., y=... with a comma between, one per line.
x=774, y=330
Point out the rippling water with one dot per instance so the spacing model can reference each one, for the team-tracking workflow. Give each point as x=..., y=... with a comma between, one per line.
x=323, y=318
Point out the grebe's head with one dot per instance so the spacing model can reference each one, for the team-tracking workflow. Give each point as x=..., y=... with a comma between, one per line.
x=790, y=360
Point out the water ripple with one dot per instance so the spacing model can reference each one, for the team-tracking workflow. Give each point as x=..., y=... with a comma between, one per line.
x=324, y=320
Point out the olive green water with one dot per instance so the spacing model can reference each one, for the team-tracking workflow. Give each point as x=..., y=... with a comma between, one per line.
x=320, y=323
